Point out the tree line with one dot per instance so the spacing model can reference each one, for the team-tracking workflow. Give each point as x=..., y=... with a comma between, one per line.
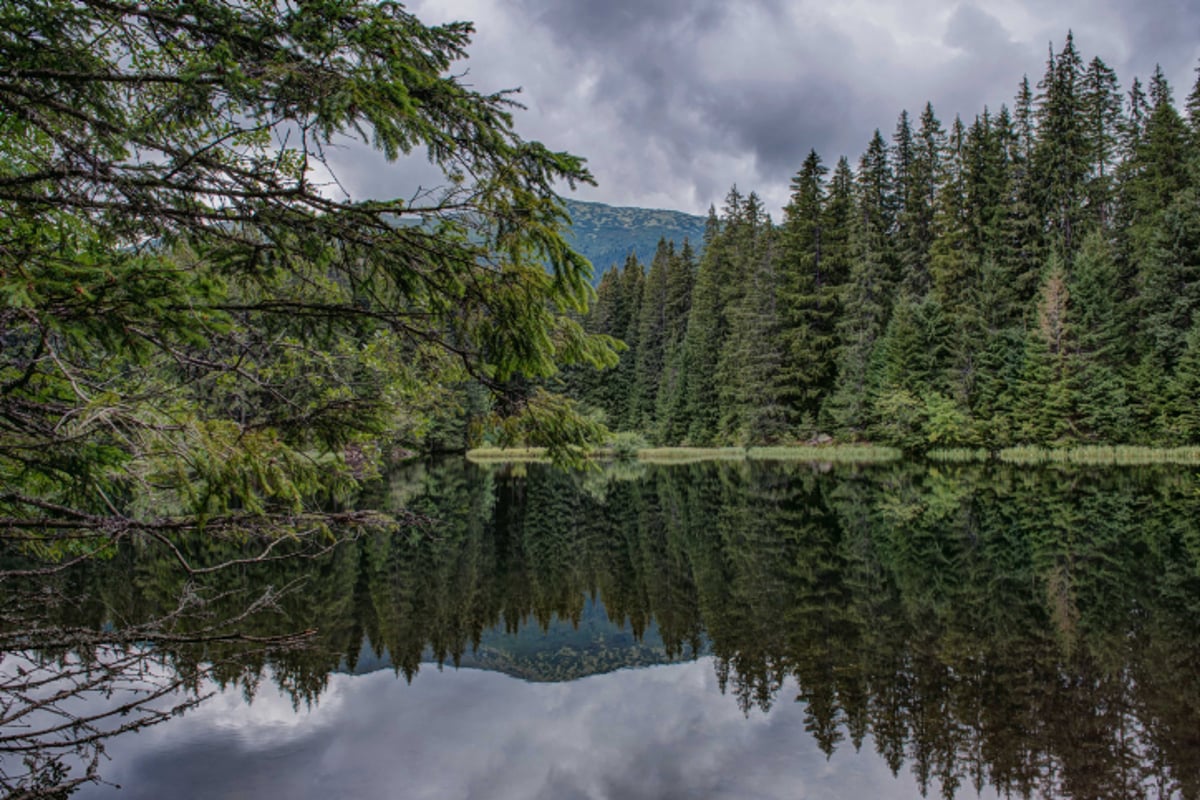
x=1030, y=276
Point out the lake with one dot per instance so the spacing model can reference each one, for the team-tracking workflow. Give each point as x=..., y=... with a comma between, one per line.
x=712, y=630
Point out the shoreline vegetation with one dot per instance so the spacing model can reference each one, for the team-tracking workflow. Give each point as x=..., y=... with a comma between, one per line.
x=1105, y=455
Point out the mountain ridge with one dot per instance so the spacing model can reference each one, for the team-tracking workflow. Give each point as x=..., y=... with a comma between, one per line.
x=606, y=234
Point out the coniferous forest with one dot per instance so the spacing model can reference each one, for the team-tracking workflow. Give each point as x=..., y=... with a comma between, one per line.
x=1027, y=276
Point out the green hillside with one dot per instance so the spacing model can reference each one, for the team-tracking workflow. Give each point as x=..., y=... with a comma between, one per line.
x=606, y=234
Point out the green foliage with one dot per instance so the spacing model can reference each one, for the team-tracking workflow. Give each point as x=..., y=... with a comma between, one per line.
x=191, y=325
x=626, y=446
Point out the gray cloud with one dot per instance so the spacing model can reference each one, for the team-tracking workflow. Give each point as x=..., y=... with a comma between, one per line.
x=673, y=101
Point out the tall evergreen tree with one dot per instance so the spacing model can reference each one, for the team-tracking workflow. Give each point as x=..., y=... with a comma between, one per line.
x=869, y=291
x=1161, y=233
x=1043, y=407
x=652, y=339
x=807, y=297
x=1101, y=106
x=951, y=265
x=1137, y=109
x=1181, y=412
x=836, y=229
x=751, y=338
x=915, y=227
x=708, y=325
x=752, y=376
x=1100, y=346
x=671, y=422
x=624, y=380
x=1193, y=111
x=1060, y=158
x=1020, y=258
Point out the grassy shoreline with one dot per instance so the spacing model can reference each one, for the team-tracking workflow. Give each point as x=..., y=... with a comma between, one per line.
x=685, y=455
x=1106, y=455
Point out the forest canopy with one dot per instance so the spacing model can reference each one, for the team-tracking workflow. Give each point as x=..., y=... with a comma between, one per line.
x=199, y=324
x=1028, y=276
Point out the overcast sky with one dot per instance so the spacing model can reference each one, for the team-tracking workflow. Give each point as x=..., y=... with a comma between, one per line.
x=673, y=101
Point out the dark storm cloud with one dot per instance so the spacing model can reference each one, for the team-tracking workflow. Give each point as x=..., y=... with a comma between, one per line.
x=614, y=21
x=1168, y=35
x=674, y=95
x=672, y=101
x=983, y=73
x=781, y=123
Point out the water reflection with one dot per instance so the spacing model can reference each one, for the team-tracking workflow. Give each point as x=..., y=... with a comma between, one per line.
x=662, y=732
x=1032, y=631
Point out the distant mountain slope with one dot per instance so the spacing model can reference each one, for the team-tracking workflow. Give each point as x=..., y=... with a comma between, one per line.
x=565, y=651
x=606, y=234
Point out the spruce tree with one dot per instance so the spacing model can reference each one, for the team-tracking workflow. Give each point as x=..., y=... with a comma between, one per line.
x=1020, y=257
x=1160, y=229
x=1099, y=350
x=1101, y=106
x=1043, y=410
x=1060, y=157
x=755, y=384
x=652, y=336
x=624, y=379
x=1193, y=112
x=1181, y=414
x=751, y=332
x=869, y=291
x=807, y=298
x=918, y=165
x=951, y=265
x=671, y=421
x=592, y=387
x=708, y=327
x=836, y=228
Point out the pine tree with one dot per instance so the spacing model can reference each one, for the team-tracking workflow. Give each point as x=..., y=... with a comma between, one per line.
x=671, y=422
x=594, y=388
x=1181, y=416
x=624, y=379
x=916, y=188
x=652, y=336
x=1024, y=120
x=1101, y=106
x=951, y=257
x=1060, y=157
x=1193, y=112
x=751, y=334
x=868, y=294
x=1055, y=417
x=1021, y=256
x=754, y=411
x=1137, y=109
x=807, y=298
x=1044, y=406
x=1098, y=315
x=1159, y=213
x=708, y=325
x=836, y=228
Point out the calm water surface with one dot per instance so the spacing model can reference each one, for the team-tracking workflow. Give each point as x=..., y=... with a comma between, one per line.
x=735, y=630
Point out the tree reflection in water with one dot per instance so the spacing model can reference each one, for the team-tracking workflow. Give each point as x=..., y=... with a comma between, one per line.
x=1034, y=631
